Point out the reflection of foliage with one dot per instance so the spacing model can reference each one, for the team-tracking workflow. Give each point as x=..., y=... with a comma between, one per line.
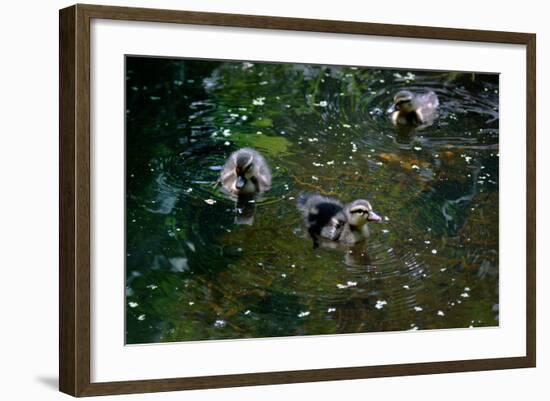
x=271, y=145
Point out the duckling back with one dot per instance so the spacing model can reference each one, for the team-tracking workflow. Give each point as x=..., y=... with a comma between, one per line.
x=322, y=216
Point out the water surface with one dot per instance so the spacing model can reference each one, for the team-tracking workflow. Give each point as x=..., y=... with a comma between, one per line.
x=193, y=274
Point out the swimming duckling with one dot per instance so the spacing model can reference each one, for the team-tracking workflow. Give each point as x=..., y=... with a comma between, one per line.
x=358, y=213
x=324, y=217
x=245, y=173
x=414, y=110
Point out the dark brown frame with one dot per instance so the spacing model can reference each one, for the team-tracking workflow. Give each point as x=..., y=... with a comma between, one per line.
x=74, y=202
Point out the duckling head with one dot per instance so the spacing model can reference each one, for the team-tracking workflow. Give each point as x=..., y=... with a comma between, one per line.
x=403, y=102
x=243, y=169
x=359, y=212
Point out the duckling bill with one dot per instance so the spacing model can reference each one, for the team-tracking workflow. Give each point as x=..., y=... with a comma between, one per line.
x=245, y=173
x=414, y=109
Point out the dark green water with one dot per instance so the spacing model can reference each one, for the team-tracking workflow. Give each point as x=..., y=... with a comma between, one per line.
x=193, y=274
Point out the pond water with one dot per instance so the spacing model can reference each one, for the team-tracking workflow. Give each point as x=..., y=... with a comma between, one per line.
x=193, y=274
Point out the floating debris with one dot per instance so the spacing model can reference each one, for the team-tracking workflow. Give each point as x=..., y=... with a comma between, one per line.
x=418, y=309
x=330, y=310
x=347, y=285
x=323, y=103
x=465, y=295
x=219, y=323
x=152, y=286
x=440, y=313
x=434, y=251
x=210, y=201
x=380, y=304
x=132, y=304
x=303, y=314
x=141, y=317
x=259, y=101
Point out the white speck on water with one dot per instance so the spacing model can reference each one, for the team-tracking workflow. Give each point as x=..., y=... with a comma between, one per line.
x=418, y=309
x=417, y=148
x=434, y=251
x=247, y=312
x=152, y=286
x=226, y=132
x=317, y=164
x=380, y=304
x=389, y=250
x=210, y=201
x=465, y=295
x=244, y=118
x=219, y=323
x=414, y=328
x=427, y=242
x=259, y=101
x=259, y=132
x=346, y=125
x=406, y=287
x=227, y=143
x=385, y=231
x=132, y=304
x=330, y=310
x=189, y=190
x=440, y=313
x=141, y=317
x=304, y=314
x=291, y=198
x=442, y=269
x=191, y=303
x=293, y=265
x=323, y=103
x=283, y=275
x=330, y=163
x=314, y=178
x=313, y=139
x=347, y=285
x=386, y=218
x=415, y=167
x=466, y=289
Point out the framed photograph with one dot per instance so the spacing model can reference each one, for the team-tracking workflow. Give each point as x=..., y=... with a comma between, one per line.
x=250, y=200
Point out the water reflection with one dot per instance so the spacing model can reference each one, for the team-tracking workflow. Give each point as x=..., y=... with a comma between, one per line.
x=201, y=265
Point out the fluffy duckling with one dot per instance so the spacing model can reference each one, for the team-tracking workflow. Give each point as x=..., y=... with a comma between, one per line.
x=358, y=213
x=324, y=217
x=414, y=110
x=245, y=173
x=327, y=218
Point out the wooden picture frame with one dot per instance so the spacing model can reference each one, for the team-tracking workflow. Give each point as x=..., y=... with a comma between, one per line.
x=74, y=205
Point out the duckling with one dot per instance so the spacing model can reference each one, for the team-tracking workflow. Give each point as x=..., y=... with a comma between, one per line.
x=245, y=173
x=324, y=217
x=414, y=110
x=358, y=213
